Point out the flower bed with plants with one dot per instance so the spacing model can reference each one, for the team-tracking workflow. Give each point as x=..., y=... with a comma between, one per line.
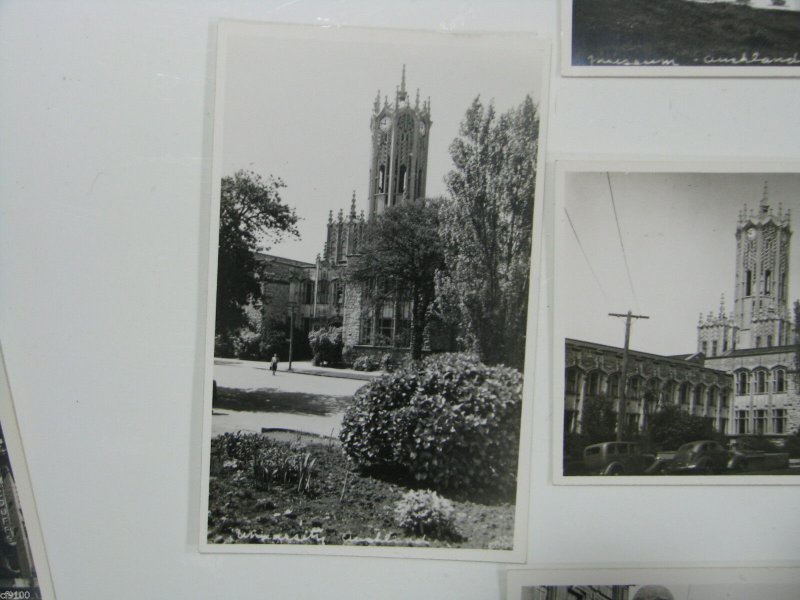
x=268, y=491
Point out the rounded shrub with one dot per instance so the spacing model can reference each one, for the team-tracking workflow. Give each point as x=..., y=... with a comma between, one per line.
x=423, y=512
x=448, y=421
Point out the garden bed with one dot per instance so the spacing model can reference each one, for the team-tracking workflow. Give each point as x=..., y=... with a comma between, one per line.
x=332, y=503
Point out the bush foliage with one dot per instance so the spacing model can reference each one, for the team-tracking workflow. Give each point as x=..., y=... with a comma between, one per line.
x=366, y=363
x=425, y=513
x=326, y=344
x=449, y=421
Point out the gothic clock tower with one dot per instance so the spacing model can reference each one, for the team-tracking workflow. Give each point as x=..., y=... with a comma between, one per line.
x=399, y=164
x=761, y=312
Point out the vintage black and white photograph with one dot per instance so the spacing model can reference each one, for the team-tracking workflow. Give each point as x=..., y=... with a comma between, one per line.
x=24, y=571
x=369, y=322
x=655, y=584
x=681, y=37
x=676, y=309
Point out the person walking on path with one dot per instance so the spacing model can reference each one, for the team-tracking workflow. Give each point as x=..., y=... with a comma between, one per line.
x=273, y=365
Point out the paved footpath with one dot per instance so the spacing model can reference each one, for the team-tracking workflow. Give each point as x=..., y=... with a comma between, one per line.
x=321, y=396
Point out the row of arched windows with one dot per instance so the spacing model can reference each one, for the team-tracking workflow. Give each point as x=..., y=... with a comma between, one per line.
x=760, y=381
x=597, y=383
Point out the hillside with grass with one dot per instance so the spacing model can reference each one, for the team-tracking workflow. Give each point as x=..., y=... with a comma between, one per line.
x=683, y=32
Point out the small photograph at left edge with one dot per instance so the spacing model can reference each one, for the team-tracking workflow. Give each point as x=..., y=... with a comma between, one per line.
x=24, y=572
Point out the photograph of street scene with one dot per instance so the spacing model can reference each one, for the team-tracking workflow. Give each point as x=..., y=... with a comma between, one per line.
x=733, y=591
x=671, y=35
x=649, y=387
x=20, y=576
x=371, y=289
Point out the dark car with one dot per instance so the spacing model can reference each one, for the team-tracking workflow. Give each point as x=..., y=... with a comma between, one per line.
x=615, y=458
x=704, y=457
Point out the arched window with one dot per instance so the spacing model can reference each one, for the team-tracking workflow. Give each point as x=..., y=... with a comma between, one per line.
x=761, y=382
x=634, y=386
x=571, y=384
x=613, y=385
x=593, y=384
x=767, y=281
x=748, y=283
x=742, y=389
x=382, y=179
x=779, y=380
x=401, y=179
x=683, y=393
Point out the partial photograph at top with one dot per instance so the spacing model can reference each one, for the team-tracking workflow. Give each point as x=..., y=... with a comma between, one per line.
x=729, y=38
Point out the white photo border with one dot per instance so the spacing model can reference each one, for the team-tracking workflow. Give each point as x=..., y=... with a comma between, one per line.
x=542, y=49
x=557, y=226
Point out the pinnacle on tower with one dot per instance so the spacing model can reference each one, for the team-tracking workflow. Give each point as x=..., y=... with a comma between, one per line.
x=330, y=217
x=401, y=91
x=377, y=106
x=341, y=215
x=764, y=207
x=416, y=103
x=353, y=206
x=722, y=306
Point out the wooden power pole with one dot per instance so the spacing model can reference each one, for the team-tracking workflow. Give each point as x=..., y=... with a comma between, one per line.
x=622, y=404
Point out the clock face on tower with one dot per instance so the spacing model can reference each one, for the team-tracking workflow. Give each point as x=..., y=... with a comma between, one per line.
x=384, y=124
x=422, y=128
x=751, y=234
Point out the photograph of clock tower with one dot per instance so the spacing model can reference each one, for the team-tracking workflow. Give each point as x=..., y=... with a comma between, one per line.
x=638, y=251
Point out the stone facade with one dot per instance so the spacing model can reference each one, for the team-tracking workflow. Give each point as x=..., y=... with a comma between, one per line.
x=593, y=371
x=756, y=343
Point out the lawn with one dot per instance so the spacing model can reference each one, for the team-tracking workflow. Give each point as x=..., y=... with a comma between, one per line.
x=330, y=502
x=686, y=32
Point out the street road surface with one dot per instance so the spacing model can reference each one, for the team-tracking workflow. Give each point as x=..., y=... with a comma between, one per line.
x=250, y=398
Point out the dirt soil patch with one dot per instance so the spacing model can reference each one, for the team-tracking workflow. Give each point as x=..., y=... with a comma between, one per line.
x=341, y=506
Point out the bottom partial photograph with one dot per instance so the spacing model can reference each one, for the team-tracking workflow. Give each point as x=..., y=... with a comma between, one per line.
x=24, y=573
x=779, y=583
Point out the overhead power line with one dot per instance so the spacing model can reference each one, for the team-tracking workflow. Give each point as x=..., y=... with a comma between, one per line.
x=585, y=256
x=621, y=243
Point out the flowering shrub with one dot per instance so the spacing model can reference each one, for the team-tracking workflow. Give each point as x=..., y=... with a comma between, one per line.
x=449, y=421
x=424, y=512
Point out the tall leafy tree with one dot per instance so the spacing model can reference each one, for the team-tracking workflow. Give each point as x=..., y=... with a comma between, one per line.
x=399, y=256
x=252, y=216
x=486, y=227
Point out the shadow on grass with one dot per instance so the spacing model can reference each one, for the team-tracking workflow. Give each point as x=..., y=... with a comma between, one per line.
x=278, y=401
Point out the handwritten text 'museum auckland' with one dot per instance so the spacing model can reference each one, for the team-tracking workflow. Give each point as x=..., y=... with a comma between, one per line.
x=745, y=59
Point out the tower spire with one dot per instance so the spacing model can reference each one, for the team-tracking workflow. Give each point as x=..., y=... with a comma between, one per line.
x=353, y=206
x=764, y=207
x=402, y=96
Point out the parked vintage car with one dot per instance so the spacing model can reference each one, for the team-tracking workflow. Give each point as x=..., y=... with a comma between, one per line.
x=615, y=458
x=743, y=458
x=704, y=457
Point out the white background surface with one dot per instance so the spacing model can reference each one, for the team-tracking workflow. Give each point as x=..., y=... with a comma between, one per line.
x=105, y=145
